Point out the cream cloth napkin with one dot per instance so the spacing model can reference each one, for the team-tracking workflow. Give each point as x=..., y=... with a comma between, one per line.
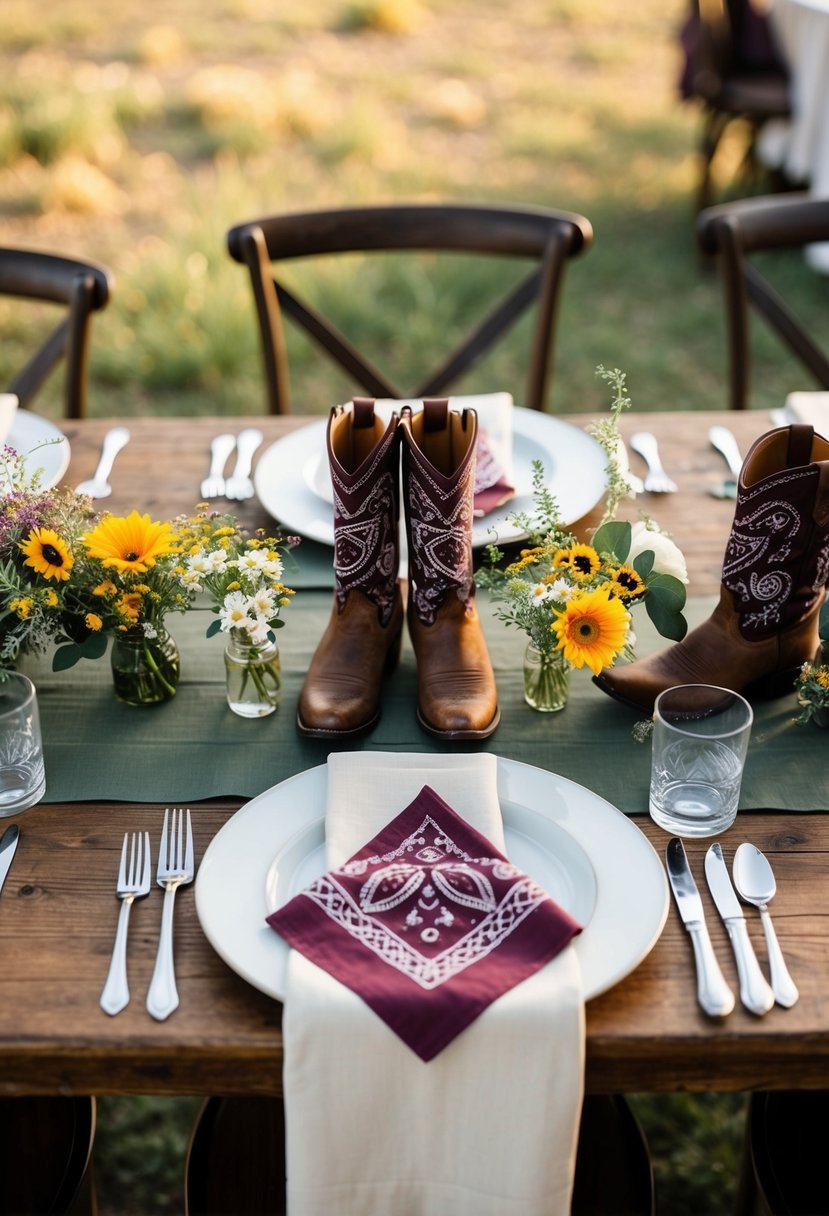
x=488, y=1127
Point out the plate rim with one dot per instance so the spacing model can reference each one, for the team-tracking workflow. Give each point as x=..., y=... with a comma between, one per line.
x=526, y=422
x=615, y=822
x=42, y=429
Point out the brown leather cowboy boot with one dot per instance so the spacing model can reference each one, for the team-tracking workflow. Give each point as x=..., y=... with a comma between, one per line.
x=341, y=695
x=774, y=575
x=456, y=691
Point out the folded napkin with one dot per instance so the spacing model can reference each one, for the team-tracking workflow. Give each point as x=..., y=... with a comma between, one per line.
x=809, y=407
x=8, y=412
x=489, y=1125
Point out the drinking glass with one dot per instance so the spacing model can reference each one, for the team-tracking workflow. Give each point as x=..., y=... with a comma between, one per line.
x=700, y=739
x=22, y=775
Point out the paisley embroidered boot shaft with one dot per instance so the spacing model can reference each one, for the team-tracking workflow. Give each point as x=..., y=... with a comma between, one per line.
x=341, y=695
x=457, y=698
x=773, y=583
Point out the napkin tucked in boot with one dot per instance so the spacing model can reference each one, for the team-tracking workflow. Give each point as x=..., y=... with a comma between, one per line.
x=488, y=1125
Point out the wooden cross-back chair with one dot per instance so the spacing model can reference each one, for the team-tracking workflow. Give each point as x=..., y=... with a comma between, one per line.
x=734, y=69
x=546, y=237
x=733, y=232
x=82, y=288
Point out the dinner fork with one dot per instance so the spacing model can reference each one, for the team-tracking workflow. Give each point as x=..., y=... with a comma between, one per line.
x=176, y=868
x=657, y=480
x=213, y=485
x=239, y=484
x=133, y=883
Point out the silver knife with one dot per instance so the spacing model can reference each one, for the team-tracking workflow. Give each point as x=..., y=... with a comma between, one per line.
x=8, y=845
x=755, y=993
x=713, y=993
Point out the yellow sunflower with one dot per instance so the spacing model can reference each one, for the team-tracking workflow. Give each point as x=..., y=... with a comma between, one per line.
x=591, y=629
x=132, y=544
x=583, y=560
x=626, y=583
x=129, y=605
x=47, y=554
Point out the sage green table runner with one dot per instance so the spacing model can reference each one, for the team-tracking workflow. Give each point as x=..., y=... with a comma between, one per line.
x=193, y=747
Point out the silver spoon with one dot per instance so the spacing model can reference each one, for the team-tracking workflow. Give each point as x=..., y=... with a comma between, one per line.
x=98, y=486
x=755, y=883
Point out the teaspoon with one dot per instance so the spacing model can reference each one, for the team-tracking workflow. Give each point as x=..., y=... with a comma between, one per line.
x=755, y=883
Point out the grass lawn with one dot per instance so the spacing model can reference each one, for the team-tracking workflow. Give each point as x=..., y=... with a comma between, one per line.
x=136, y=134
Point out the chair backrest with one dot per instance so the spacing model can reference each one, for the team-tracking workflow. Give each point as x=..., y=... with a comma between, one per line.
x=82, y=288
x=734, y=231
x=546, y=237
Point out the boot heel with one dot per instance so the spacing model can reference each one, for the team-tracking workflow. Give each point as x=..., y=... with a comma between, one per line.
x=775, y=684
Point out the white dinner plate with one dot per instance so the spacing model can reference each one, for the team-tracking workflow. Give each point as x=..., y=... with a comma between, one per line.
x=41, y=445
x=574, y=463
x=590, y=857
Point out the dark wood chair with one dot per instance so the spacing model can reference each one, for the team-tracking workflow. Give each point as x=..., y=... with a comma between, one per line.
x=546, y=237
x=783, y=1170
x=45, y=1150
x=236, y=1160
x=734, y=69
x=82, y=288
x=733, y=232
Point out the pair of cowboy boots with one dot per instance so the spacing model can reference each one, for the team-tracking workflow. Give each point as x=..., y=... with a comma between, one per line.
x=776, y=566
x=456, y=692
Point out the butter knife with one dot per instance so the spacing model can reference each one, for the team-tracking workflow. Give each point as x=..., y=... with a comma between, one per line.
x=8, y=845
x=755, y=993
x=713, y=993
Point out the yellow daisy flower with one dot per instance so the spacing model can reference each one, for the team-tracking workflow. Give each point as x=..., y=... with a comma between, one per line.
x=129, y=605
x=47, y=554
x=93, y=622
x=107, y=587
x=50, y=598
x=626, y=583
x=131, y=544
x=22, y=605
x=591, y=629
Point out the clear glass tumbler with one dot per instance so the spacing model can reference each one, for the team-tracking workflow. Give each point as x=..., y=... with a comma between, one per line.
x=22, y=775
x=700, y=740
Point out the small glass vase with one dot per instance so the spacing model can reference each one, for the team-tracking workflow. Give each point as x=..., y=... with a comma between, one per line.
x=145, y=670
x=546, y=680
x=254, y=677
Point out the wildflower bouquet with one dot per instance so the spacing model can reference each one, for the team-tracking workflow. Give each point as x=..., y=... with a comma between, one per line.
x=574, y=600
x=242, y=576
x=813, y=679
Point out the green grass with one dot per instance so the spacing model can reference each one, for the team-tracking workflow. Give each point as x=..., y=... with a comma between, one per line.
x=136, y=135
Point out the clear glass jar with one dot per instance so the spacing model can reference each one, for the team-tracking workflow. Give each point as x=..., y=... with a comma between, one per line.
x=254, y=677
x=145, y=670
x=546, y=679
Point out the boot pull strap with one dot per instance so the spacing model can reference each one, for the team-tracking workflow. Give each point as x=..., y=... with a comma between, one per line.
x=435, y=413
x=363, y=411
x=800, y=444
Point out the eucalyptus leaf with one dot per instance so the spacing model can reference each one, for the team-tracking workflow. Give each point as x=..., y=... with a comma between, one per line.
x=643, y=563
x=667, y=584
x=661, y=606
x=213, y=628
x=613, y=538
x=66, y=657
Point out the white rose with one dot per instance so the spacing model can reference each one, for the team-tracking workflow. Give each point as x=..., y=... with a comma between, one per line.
x=667, y=557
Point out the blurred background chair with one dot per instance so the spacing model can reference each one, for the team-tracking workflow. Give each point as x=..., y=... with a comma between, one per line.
x=82, y=288
x=733, y=232
x=45, y=1150
x=236, y=1160
x=784, y=1170
x=733, y=67
x=547, y=237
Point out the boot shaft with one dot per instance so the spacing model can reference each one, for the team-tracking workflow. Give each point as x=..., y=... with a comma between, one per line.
x=777, y=557
x=439, y=483
x=363, y=458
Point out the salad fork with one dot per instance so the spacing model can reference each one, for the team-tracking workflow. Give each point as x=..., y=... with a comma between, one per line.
x=657, y=480
x=176, y=868
x=133, y=883
x=213, y=485
x=239, y=484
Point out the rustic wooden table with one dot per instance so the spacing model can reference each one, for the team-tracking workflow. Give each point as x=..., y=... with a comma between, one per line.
x=57, y=912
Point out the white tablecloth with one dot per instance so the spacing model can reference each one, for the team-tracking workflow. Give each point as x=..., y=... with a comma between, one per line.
x=801, y=147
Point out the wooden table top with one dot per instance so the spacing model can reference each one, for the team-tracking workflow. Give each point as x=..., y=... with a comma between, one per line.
x=57, y=914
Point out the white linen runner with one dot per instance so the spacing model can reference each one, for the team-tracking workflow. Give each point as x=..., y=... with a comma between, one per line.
x=488, y=1127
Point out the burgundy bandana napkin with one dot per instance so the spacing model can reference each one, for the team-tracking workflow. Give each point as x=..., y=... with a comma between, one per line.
x=492, y=486
x=428, y=923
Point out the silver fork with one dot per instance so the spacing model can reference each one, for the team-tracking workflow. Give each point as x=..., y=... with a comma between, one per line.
x=133, y=882
x=239, y=484
x=176, y=868
x=657, y=480
x=213, y=485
